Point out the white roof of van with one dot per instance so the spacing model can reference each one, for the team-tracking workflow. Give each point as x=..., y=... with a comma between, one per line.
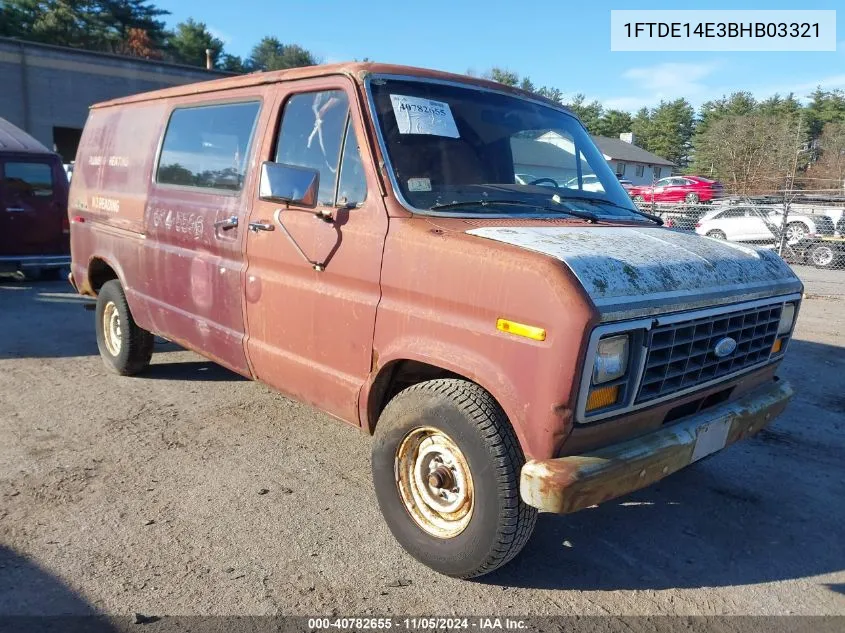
x=14, y=139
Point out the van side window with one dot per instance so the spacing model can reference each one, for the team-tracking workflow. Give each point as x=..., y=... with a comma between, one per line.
x=312, y=133
x=208, y=146
x=28, y=179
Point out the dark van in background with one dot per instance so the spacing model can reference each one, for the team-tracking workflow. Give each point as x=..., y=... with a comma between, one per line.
x=34, y=234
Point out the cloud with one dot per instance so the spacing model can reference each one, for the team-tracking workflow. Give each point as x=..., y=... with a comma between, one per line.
x=672, y=80
x=665, y=81
x=802, y=90
x=628, y=104
x=671, y=77
x=220, y=35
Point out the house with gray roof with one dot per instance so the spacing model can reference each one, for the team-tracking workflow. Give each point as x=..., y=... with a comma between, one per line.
x=631, y=162
x=550, y=154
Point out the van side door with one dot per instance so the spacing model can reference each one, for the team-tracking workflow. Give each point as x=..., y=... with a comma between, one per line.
x=310, y=328
x=197, y=208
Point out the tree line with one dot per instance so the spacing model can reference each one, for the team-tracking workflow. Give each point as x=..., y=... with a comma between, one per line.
x=751, y=145
x=136, y=28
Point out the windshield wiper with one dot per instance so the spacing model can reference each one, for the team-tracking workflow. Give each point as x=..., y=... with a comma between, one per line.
x=649, y=216
x=479, y=203
x=584, y=215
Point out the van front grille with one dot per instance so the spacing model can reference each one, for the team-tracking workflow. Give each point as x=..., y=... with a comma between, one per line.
x=682, y=355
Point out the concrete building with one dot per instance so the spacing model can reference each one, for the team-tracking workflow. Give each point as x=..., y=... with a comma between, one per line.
x=47, y=90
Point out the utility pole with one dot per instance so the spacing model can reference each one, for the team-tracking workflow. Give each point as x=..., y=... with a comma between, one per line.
x=790, y=185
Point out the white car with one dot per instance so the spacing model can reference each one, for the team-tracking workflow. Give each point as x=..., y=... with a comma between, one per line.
x=756, y=224
x=589, y=182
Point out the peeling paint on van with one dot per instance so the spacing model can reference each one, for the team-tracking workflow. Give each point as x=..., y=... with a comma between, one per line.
x=632, y=272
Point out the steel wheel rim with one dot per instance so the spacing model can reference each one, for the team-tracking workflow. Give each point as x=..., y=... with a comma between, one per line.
x=794, y=233
x=822, y=256
x=434, y=482
x=716, y=235
x=111, y=329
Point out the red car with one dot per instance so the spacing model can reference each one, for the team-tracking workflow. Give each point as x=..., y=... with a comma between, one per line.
x=690, y=189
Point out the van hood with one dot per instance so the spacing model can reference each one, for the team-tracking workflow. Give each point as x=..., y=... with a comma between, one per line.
x=631, y=272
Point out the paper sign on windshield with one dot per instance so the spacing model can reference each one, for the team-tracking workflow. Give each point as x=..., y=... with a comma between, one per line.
x=423, y=116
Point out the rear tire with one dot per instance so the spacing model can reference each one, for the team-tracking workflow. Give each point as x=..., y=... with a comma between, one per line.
x=126, y=349
x=446, y=468
x=717, y=235
x=692, y=198
x=638, y=199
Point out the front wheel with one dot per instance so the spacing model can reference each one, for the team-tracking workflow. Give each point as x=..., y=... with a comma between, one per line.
x=822, y=256
x=446, y=468
x=795, y=232
x=126, y=349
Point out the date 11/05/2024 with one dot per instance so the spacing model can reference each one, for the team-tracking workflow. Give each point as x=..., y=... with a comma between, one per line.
x=417, y=623
x=722, y=29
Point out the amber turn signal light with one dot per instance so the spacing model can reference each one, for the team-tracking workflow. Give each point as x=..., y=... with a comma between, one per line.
x=602, y=397
x=777, y=346
x=520, y=329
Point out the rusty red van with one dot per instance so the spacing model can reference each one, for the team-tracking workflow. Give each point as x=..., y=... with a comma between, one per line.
x=34, y=227
x=365, y=238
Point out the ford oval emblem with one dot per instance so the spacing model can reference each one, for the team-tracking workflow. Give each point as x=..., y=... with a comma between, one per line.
x=725, y=347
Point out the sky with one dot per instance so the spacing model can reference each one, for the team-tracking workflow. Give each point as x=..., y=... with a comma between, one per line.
x=558, y=44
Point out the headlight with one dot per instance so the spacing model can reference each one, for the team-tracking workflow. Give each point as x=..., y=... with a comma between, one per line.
x=787, y=316
x=611, y=360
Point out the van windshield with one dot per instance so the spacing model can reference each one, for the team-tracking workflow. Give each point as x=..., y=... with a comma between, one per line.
x=459, y=150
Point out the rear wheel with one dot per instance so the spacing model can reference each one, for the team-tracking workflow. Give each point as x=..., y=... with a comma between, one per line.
x=638, y=199
x=717, y=235
x=822, y=256
x=126, y=349
x=446, y=468
x=692, y=198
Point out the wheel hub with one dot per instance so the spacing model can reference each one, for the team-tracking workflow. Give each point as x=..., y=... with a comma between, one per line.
x=112, y=334
x=434, y=482
x=441, y=477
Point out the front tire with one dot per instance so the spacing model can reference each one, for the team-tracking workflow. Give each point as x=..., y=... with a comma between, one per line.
x=446, y=468
x=796, y=231
x=126, y=349
x=822, y=256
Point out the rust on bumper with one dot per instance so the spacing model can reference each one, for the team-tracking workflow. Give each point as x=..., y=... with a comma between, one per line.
x=568, y=484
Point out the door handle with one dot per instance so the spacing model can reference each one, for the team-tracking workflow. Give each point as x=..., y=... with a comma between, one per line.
x=15, y=209
x=260, y=226
x=227, y=224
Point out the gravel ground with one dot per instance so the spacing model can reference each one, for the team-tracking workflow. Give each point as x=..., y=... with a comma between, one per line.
x=193, y=491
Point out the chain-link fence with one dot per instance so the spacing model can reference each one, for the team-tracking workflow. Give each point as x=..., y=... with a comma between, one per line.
x=807, y=233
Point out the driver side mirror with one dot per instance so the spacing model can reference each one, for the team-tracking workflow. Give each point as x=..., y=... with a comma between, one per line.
x=281, y=182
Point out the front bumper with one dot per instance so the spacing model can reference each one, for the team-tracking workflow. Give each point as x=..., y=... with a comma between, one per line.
x=568, y=484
